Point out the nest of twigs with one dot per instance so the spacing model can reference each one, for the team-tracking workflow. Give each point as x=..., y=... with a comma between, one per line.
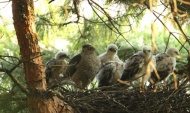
x=121, y=98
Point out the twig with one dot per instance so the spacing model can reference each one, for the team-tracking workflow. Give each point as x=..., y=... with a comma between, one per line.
x=164, y=25
x=167, y=43
x=5, y=1
x=175, y=19
x=109, y=19
x=14, y=79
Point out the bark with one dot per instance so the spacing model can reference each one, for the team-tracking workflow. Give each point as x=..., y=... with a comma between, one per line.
x=188, y=65
x=24, y=23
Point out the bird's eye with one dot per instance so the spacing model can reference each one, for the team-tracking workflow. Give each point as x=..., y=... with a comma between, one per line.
x=148, y=50
x=88, y=48
x=176, y=53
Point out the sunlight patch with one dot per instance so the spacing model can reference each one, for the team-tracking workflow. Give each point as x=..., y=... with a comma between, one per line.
x=61, y=44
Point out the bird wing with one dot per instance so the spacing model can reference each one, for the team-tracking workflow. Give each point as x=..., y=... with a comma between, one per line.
x=105, y=74
x=71, y=69
x=49, y=68
x=117, y=59
x=164, y=66
x=132, y=66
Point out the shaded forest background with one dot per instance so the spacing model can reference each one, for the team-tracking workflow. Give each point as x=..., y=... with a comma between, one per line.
x=67, y=25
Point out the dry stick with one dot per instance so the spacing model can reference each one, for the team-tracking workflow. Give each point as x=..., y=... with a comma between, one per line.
x=175, y=19
x=109, y=18
x=76, y=10
x=160, y=14
x=164, y=25
x=15, y=80
x=170, y=33
x=56, y=24
x=184, y=83
x=183, y=45
x=114, y=100
x=167, y=42
x=13, y=68
x=11, y=57
x=5, y=1
x=100, y=17
x=7, y=61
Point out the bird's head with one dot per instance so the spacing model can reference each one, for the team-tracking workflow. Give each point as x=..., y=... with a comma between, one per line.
x=112, y=48
x=87, y=48
x=147, y=50
x=61, y=55
x=173, y=52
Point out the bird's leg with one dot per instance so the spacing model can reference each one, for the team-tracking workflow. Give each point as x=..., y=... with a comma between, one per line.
x=155, y=89
x=142, y=88
x=165, y=87
x=81, y=86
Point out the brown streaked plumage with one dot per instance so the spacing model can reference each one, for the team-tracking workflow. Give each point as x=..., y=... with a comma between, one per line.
x=84, y=66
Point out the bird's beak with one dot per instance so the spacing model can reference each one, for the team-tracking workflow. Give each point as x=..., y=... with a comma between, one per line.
x=145, y=51
x=178, y=56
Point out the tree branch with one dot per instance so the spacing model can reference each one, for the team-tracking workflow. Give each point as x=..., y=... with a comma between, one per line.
x=188, y=66
x=110, y=20
x=164, y=25
x=175, y=19
x=14, y=79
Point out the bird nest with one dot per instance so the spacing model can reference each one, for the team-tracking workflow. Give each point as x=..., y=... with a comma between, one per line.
x=120, y=98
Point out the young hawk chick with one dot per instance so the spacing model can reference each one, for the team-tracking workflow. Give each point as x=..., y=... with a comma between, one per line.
x=84, y=66
x=109, y=73
x=166, y=63
x=56, y=68
x=139, y=66
x=110, y=55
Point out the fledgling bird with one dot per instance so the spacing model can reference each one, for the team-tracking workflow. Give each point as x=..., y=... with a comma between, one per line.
x=109, y=73
x=138, y=66
x=165, y=64
x=84, y=66
x=55, y=68
x=110, y=55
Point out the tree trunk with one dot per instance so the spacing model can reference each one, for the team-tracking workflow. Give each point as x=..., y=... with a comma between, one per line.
x=24, y=23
